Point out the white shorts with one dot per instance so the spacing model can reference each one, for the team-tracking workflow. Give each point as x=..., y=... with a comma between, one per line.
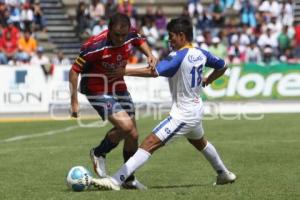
x=171, y=128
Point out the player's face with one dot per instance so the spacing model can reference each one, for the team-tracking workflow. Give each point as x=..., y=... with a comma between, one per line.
x=176, y=40
x=118, y=34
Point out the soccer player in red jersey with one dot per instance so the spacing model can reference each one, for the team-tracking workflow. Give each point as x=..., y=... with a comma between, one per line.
x=99, y=56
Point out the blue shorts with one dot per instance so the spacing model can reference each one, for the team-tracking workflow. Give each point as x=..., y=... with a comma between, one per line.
x=107, y=104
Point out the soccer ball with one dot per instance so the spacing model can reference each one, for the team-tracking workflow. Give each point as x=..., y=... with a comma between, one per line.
x=79, y=178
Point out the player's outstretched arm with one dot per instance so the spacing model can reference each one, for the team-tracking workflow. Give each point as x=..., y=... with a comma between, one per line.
x=73, y=82
x=141, y=72
x=146, y=50
x=213, y=76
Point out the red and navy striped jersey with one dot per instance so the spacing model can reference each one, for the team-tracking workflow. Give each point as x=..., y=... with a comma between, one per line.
x=98, y=56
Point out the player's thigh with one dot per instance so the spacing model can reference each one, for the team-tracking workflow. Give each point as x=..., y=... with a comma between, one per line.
x=125, y=100
x=171, y=128
x=196, y=132
x=105, y=105
x=122, y=121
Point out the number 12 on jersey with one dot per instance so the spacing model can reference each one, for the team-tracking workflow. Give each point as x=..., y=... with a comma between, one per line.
x=196, y=76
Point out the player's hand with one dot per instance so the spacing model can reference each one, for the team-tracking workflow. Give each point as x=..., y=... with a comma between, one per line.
x=205, y=82
x=152, y=61
x=74, y=109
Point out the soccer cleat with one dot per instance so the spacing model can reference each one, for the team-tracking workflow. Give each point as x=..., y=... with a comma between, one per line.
x=135, y=185
x=225, y=178
x=98, y=163
x=105, y=184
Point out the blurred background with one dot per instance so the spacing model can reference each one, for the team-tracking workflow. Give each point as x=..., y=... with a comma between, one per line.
x=259, y=39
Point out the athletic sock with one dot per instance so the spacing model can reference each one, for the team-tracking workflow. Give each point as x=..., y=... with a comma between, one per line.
x=126, y=156
x=135, y=162
x=104, y=147
x=214, y=159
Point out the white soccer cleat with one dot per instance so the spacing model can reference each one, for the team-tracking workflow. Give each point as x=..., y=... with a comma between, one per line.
x=225, y=178
x=99, y=164
x=105, y=184
x=135, y=185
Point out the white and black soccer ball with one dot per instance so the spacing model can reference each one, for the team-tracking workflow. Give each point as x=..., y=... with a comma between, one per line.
x=79, y=178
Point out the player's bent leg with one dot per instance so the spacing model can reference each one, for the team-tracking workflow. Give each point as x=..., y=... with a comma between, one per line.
x=148, y=146
x=210, y=153
x=98, y=154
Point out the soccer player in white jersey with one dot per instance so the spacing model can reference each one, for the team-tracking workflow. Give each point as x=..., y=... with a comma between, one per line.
x=184, y=68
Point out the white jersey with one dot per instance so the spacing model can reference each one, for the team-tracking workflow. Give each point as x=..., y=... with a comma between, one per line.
x=184, y=69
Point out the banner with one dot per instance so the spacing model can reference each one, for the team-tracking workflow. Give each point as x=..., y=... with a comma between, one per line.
x=28, y=89
x=23, y=89
x=252, y=81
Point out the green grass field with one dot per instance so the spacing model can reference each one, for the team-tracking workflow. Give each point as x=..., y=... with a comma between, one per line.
x=264, y=154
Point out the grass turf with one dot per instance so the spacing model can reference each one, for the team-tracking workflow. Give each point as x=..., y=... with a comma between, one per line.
x=264, y=154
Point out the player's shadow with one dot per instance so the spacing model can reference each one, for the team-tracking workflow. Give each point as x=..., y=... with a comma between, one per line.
x=179, y=186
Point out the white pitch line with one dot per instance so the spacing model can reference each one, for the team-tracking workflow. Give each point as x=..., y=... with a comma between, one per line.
x=36, y=135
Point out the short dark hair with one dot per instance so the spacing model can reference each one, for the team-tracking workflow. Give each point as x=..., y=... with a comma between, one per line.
x=183, y=25
x=119, y=18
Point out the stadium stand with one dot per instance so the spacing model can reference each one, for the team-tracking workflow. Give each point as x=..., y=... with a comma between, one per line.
x=62, y=25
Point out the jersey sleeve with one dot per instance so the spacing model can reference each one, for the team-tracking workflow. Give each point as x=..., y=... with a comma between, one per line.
x=213, y=61
x=136, y=38
x=80, y=62
x=170, y=65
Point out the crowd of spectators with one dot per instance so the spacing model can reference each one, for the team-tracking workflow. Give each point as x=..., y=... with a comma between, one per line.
x=20, y=20
x=260, y=31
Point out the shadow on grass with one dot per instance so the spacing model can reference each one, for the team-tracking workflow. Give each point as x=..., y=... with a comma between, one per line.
x=93, y=189
x=179, y=186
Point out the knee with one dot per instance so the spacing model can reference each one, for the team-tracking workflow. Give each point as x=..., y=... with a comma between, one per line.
x=130, y=131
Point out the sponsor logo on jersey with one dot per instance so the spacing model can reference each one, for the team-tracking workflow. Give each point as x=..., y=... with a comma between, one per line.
x=106, y=56
x=193, y=59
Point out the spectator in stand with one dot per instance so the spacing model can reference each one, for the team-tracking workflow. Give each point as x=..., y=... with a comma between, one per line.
x=253, y=54
x=161, y=22
x=200, y=42
x=217, y=48
x=82, y=18
x=110, y=8
x=39, y=58
x=275, y=25
x=185, y=13
x=297, y=34
x=217, y=12
x=268, y=38
x=269, y=57
x=96, y=11
x=248, y=13
x=8, y=46
x=286, y=13
x=27, y=43
x=3, y=58
x=236, y=53
x=284, y=42
x=4, y=13
x=195, y=8
x=12, y=29
x=60, y=59
x=228, y=3
x=242, y=38
x=204, y=21
x=126, y=7
x=19, y=58
x=39, y=19
x=149, y=15
x=101, y=26
x=289, y=57
x=27, y=17
x=15, y=13
x=150, y=32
